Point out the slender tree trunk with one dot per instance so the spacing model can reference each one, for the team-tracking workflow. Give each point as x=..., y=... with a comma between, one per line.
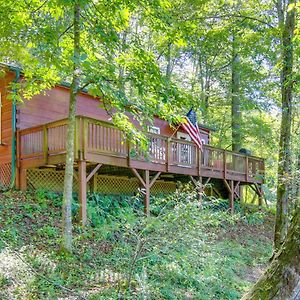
x=201, y=67
x=282, y=278
x=206, y=92
x=169, y=62
x=122, y=68
x=69, y=170
x=235, y=98
x=297, y=179
x=285, y=129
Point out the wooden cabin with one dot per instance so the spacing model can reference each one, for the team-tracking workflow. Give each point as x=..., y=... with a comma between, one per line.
x=32, y=152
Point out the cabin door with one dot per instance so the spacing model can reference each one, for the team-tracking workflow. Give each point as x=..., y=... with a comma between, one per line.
x=185, y=150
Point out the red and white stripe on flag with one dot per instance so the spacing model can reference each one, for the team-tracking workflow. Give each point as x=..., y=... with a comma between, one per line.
x=193, y=131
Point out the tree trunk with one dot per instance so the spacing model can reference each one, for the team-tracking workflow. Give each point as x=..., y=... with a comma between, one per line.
x=297, y=179
x=122, y=68
x=206, y=94
x=69, y=170
x=282, y=278
x=235, y=98
x=285, y=129
x=169, y=61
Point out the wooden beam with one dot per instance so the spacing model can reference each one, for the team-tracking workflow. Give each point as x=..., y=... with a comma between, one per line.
x=199, y=188
x=232, y=197
x=206, y=183
x=200, y=180
x=23, y=179
x=258, y=192
x=224, y=164
x=94, y=171
x=199, y=161
x=136, y=173
x=258, y=189
x=75, y=175
x=147, y=185
x=247, y=169
x=154, y=179
x=193, y=180
x=253, y=199
x=260, y=195
x=45, y=144
x=147, y=194
x=200, y=192
x=253, y=189
x=242, y=191
x=217, y=193
x=128, y=147
x=168, y=154
x=82, y=192
x=227, y=186
x=230, y=189
x=236, y=192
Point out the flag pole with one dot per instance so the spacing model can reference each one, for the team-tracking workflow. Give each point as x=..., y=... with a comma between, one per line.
x=175, y=131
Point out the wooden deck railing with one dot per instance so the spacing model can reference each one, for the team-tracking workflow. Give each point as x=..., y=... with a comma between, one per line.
x=101, y=142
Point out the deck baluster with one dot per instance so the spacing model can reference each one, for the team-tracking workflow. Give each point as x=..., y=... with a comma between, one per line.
x=45, y=144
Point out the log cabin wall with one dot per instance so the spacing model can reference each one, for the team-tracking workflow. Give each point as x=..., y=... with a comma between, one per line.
x=6, y=130
x=46, y=107
x=53, y=105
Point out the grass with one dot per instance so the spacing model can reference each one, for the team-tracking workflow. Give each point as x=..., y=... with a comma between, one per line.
x=180, y=252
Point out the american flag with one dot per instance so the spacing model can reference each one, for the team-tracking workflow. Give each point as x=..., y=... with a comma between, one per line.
x=191, y=127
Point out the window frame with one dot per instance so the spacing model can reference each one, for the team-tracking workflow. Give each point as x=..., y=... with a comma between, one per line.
x=153, y=129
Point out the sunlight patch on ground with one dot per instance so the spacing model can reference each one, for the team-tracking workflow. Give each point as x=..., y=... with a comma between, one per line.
x=15, y=276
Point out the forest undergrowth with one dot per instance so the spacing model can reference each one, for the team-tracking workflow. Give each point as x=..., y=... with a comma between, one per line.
x=179, y=252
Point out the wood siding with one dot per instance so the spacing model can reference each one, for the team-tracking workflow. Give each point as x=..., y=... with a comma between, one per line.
x=6, y=118
x=53, y=105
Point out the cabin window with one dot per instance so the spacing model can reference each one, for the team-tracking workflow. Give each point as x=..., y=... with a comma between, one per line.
x=154, y=129
x=184, y=150
x=156, y=148
x=183, y=136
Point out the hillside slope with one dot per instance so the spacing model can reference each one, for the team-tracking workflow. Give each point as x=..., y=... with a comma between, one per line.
x=178, y=253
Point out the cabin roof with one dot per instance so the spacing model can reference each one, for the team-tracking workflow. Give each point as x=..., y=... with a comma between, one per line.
x=209, y=128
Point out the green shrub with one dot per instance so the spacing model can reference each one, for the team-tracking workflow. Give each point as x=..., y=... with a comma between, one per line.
x=179, y=252
x=106, y=209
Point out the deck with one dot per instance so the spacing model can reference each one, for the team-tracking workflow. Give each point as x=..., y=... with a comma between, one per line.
x=101, y=142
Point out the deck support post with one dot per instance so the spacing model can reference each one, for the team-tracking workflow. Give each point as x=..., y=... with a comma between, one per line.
x=237, y=190
x=242, y=191
x=200, y=187
x=260, y=194
x=257, y=188
x=23, y=179
x=91, y=177
x=93, y=172
x=230, y=188
x=147, y=193
x=147, y=184
x=82, y=191
x=232, y=197
x=200, y=191
x=17, y=182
